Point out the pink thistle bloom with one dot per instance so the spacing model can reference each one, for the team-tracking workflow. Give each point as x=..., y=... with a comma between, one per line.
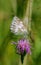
x=23, y=46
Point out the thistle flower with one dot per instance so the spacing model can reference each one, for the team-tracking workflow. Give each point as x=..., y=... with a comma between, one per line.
x=23, y=48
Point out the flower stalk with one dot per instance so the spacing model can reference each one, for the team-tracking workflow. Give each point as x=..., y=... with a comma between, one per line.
x=28, y=14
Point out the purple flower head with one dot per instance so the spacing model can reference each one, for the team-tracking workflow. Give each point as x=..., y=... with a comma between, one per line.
x=23, y=46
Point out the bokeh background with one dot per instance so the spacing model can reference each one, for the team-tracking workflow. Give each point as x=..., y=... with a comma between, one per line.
x=9, y=8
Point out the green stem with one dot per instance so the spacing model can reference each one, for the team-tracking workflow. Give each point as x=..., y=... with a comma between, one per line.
x=25, y=62
x=27, y=16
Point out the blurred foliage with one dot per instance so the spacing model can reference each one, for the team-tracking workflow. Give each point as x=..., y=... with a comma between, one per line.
x=21, y=8
x=9, y=8
x=36, y=28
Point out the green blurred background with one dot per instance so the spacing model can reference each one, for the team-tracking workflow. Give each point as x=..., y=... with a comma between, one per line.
x=9, y=8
